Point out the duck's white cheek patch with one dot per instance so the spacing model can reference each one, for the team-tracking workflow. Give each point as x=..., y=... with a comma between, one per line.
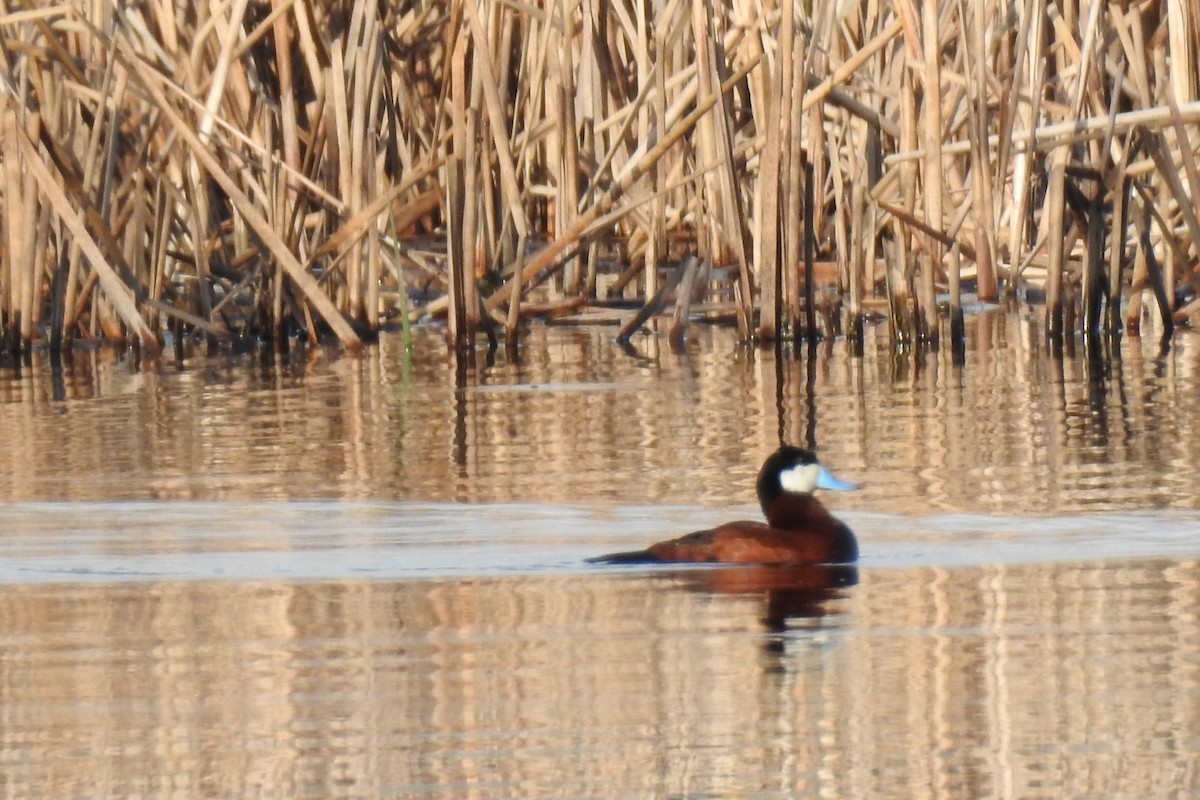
x=801, y=479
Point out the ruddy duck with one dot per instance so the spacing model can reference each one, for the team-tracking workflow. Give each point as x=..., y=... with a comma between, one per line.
x=799, y=530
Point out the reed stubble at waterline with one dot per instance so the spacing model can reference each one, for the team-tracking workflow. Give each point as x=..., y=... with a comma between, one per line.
x=319, y=170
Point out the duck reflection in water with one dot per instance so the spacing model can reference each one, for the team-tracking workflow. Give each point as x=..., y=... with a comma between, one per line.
x=799, y=558
x=790, y=591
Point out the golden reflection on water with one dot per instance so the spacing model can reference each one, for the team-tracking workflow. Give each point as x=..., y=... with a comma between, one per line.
x=1012, y=429
x=955, y=678
x=1017, y=681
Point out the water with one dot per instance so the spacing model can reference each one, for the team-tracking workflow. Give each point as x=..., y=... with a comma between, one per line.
x=364, y=576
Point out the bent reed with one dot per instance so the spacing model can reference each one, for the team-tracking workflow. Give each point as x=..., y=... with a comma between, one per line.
x=295, y=167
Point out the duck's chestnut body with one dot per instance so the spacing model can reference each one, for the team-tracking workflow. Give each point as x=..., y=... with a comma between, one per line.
x=798, y=530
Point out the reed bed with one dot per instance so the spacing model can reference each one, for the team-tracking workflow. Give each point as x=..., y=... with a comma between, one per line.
x=293, y=168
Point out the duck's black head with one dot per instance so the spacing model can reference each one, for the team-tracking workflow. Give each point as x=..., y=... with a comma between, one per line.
x=796, y=471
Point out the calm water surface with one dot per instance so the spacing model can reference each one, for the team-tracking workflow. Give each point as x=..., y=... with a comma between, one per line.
x=362, y=576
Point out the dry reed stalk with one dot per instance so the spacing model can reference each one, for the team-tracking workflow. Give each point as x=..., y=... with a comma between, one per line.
x=1183, y=44
x=362, y=161
x=1032, y=139
x=567, y=200
x=15, y=211
x=149, y=80
x=650, y=73
x=1184, y=197
x=665, y=49
x=898, y=273
x=931, y=143
x=1056, y=252
x=655, y=303
x=944, y=238
x=459, y=208
x=797, y=181
x=1016, y=138
x=1093, y=271
x=1173, y=247
x=810, y=246
x=115, y=290
x=487, y=81
x=839, y=173
x=550, y=254
x=472, y=221
x=1120, y=188
x=859, y=240
x=1152, y=270
x=1068, y=60
x=695, y=272
x=768, y=219
x=822, y=90
x=727, y=239
x=314, y=129
x=983, y=203
x=592, y=132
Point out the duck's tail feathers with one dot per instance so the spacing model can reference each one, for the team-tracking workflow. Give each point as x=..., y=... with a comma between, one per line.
x=631, y=557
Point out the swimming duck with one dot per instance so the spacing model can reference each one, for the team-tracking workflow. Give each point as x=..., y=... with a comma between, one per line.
x=799, y=530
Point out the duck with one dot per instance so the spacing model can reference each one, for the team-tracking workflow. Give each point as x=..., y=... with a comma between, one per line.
x=799, y=529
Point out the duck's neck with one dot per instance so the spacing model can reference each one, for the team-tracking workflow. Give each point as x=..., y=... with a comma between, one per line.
x=788, y=511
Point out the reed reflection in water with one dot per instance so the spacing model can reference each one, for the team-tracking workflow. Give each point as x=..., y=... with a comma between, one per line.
x=1002, y=681
x=416, y=618
x=1013, y=429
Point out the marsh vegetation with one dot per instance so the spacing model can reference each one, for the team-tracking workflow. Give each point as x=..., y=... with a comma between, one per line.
x=302, y=169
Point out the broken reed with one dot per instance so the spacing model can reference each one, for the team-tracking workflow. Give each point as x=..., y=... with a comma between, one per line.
x=252, y=168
